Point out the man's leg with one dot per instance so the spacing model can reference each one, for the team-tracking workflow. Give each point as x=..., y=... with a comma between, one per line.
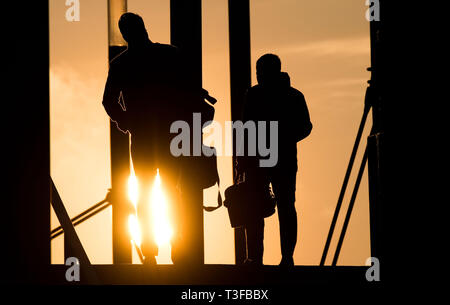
x=148, y=246
x=145, y=170
x=283, y=183
x=254, y=234
x=169, y=178
x=254, y=231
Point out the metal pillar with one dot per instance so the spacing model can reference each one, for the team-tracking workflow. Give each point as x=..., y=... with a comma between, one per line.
x=120, y=160
x=376, y=154
x=25, y=224
x=240, y=81
x=186, y=34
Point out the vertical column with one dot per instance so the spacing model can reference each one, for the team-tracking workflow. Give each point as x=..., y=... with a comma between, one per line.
x=25, y=224
x=120, y=160
x=186, y=34
x=240, y=81
x=376, y=139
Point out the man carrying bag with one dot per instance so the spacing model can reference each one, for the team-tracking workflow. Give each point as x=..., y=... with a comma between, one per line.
x=273, y=99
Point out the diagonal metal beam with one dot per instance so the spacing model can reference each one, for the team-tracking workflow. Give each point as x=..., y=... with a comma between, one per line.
x=67, y=225
x=345, y=182
x=350, y=208
x=75, y=244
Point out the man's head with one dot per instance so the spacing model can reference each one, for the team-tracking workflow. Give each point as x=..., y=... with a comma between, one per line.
x=268, y=68
x=132, y=28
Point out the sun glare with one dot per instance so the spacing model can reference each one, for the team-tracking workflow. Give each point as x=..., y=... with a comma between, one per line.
x=133, y=227
x=162, y=229
x=133, y=189
x=159, y=206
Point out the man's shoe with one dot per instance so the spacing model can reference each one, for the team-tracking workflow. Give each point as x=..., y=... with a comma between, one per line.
x=252, y=263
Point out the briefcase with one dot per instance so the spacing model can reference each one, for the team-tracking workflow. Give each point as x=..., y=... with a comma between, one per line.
x=247, y=202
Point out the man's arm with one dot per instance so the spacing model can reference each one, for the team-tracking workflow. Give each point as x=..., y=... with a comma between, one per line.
x=303, y=122
x=111, y=98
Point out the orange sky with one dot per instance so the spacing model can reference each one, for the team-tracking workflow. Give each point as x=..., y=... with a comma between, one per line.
x=323, y=45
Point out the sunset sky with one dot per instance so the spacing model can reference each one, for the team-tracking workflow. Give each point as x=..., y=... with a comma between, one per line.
x=323, y=45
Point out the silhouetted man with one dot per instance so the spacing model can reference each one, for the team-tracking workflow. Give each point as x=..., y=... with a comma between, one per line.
x=143, y=95
x=273, y=99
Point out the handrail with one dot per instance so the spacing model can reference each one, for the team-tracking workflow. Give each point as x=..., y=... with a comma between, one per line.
x=350, y=208
x=85, y=215
x=367, y=107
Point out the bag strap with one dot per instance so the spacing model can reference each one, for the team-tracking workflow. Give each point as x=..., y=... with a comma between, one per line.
x=219, y=199
x=212, y=100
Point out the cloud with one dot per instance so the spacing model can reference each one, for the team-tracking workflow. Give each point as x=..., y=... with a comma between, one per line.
x=347, y=82
x=79, y=133
x=357, y=46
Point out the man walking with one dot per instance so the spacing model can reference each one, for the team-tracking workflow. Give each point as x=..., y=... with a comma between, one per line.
x=273, y=99
x=143, y=96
